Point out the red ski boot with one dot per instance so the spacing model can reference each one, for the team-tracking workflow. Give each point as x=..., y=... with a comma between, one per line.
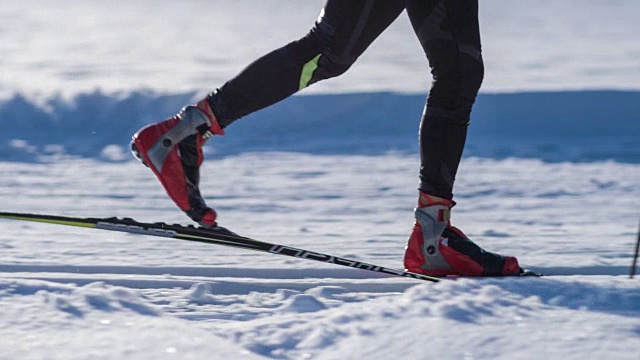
x=172, y=149
x=436, y=248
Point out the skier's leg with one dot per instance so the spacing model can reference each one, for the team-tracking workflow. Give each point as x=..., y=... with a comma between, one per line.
x=449, y=33
x=173, y=148
x=341, y=34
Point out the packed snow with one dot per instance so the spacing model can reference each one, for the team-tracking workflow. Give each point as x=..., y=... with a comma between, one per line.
x=551, y=174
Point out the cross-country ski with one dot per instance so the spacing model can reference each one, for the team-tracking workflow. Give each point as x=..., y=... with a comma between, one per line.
x=217, y=236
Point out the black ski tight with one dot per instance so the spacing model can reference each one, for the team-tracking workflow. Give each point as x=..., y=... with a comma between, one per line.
x=449, y=33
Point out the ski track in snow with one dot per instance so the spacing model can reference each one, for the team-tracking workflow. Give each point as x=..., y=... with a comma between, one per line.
x=162, y=298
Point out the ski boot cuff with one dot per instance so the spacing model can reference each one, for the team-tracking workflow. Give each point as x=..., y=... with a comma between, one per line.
x=444, y=205
x=425, y=200
x=213, y=126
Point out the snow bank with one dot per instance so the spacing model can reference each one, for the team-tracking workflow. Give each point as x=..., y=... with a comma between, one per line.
x=552, y=126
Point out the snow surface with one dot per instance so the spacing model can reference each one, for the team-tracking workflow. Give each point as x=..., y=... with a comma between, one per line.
x=550, y=174
x=73, y=293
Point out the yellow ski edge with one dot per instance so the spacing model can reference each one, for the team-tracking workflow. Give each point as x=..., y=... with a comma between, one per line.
x=51, y=221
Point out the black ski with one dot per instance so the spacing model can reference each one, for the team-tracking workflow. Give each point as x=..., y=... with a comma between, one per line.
x=217, y=236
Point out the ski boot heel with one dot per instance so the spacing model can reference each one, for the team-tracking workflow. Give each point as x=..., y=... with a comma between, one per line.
x=136, y=153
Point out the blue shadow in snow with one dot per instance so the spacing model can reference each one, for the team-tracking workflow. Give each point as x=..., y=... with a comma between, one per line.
x=577, y=126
